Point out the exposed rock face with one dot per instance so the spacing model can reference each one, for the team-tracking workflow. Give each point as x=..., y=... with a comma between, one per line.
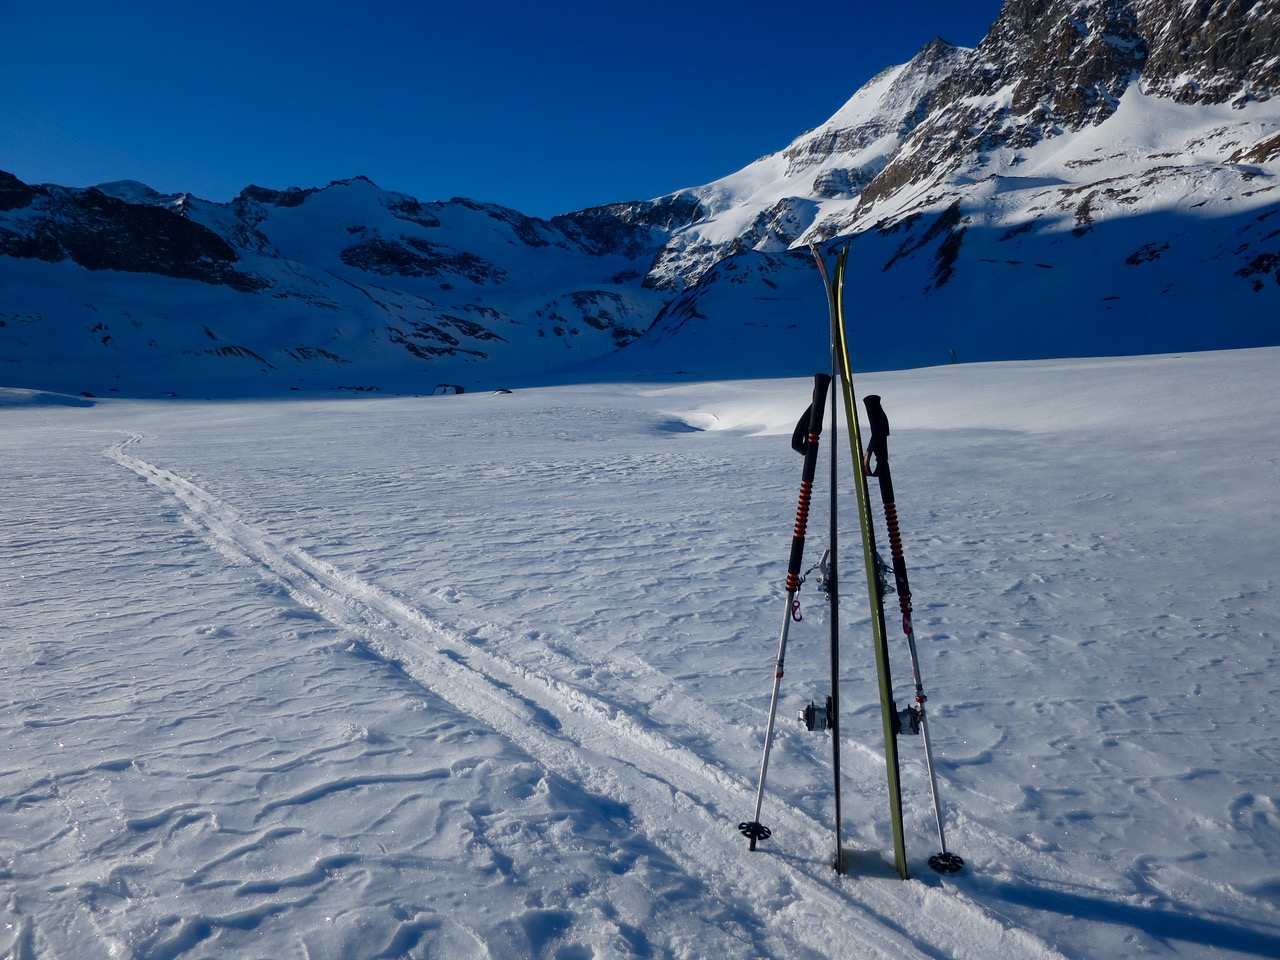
x=414, y=257
x=1050, y=67
x=14, y=194
x=1047, y=67
x=629, y=228
x=1211, y=51
x=100, y=232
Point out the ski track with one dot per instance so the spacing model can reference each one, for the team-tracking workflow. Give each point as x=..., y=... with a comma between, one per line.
x=610, y=753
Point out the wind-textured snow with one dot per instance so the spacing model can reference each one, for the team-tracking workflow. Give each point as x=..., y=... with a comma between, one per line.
x=487, y=675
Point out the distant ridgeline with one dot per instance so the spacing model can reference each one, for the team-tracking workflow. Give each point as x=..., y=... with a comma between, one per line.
x=1093, y=178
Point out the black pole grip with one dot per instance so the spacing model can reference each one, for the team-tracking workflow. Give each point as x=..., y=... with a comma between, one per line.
x=808, y=445
x=810, y=421
x=878, y=447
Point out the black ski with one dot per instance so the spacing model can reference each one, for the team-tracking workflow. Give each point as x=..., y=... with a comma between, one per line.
x=831, y=585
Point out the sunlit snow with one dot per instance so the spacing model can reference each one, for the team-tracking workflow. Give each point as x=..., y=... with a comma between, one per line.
x=487, y=675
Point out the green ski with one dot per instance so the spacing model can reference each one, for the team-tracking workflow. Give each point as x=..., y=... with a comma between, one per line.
x=875, y=586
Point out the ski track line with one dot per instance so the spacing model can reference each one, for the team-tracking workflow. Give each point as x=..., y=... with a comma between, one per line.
x=612, y=754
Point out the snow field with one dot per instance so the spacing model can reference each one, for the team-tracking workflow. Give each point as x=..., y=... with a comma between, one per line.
x=487, y=676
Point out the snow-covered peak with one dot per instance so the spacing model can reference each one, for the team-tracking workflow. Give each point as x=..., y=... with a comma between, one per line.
x=771, y=204
x=836, y=156
x=898, y=91
x=130, y=191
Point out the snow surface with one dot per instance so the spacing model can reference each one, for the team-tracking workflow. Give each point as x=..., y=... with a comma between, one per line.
x=487, y=675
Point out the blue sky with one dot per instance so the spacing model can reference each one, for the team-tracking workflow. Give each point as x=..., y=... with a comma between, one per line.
x=545, y=107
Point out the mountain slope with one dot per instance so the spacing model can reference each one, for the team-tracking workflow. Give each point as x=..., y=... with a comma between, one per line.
x=772, y=203
x=1047, y=198
x=346, y=286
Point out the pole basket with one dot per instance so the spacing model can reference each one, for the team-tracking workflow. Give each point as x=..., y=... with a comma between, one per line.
x=754, y=830
x=946, y=862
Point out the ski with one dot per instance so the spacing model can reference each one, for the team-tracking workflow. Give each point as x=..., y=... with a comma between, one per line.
x=875, y=588
x=876, y=464
x=830, y=583
x=803, y=441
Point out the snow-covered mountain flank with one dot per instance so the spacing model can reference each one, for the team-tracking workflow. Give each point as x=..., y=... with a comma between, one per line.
x=1096, y=176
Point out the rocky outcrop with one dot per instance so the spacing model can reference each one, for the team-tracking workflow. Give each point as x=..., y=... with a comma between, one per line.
x=1047, y=67
x=1211, y=51
x=101, y=232
x=415, y=257
x=631, y=229
x=1050, y=67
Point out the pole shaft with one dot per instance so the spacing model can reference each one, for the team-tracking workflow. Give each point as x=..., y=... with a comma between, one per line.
x=877, y=465
x=804, y=440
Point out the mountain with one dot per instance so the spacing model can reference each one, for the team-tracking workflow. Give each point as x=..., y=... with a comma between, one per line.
x=348, y=286
x=771, y=204
x=1095, y=177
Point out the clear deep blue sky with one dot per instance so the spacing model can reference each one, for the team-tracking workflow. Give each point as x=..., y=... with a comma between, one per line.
x=545, y=107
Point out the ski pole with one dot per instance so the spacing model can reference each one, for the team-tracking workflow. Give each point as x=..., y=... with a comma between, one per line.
x=805, y=441
x=876, y=464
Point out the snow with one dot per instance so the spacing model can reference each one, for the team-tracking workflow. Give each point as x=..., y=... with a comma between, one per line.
x=130, y=191
x=1149, y=126
x=736, y=200
x=487, y=675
